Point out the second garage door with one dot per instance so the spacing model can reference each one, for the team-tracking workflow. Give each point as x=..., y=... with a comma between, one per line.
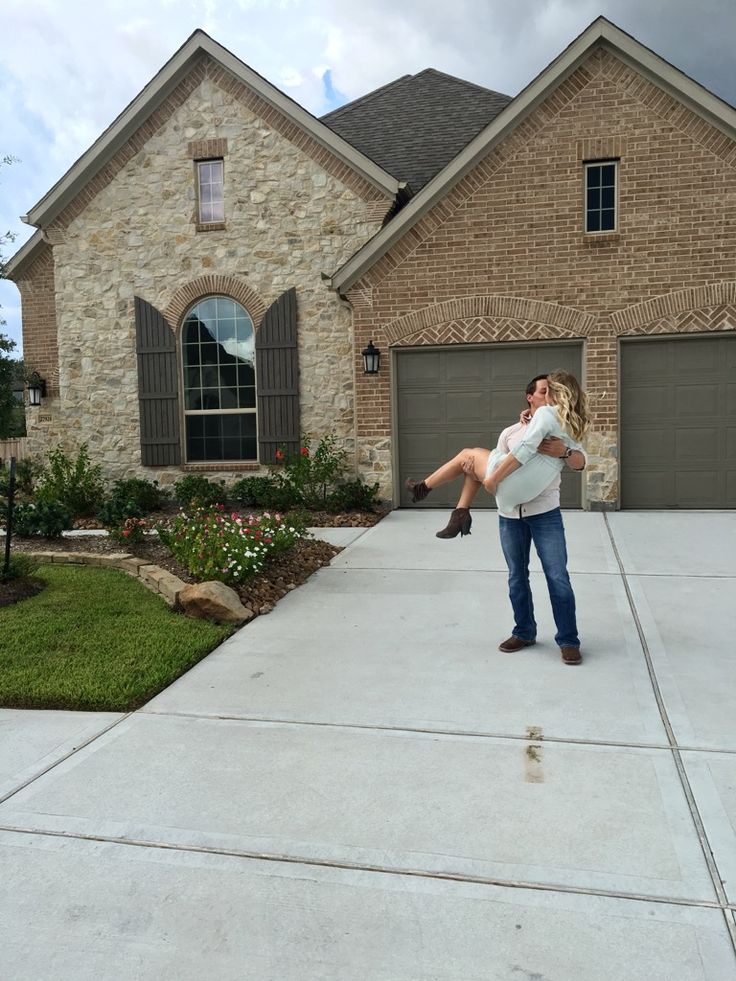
x=678, y=422
x=464, y=396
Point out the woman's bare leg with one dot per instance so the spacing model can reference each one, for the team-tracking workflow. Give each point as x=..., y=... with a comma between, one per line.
x=475, y=459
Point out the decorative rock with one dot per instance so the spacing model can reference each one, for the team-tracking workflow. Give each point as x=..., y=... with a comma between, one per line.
x=213, y=601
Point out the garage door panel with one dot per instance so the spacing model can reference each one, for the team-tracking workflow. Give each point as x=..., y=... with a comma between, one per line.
x=423, y=408
x=730, y=399
x=702, y=357
x=419, y=371
x=466, y=407
x=465, y=397
x=730, y=444
x=651, y=489
x=698, y=488
x=698, y=445
x=678, y=422
x=468, y=368
x=650, y=402
x=651, y=446
x=697, y=401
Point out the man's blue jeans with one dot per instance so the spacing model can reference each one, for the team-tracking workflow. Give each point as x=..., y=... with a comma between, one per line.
x=548, y=534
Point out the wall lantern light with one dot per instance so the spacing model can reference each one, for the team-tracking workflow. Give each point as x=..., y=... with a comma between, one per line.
x=371, y=359
x=36, y=389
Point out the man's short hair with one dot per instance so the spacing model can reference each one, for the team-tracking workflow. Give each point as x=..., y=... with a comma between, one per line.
x=532, y=386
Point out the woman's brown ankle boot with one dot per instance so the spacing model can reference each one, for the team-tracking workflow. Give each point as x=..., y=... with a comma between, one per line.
x=418, y=490
x=460, y=521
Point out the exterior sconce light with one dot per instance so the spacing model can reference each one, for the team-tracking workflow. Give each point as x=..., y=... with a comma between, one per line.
x=371, y=359
x=36, y=389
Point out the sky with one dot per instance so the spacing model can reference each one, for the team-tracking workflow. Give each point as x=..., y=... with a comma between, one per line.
x=68, y=67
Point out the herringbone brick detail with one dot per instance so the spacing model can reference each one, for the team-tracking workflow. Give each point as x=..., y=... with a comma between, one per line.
x=481, y=330
x=710, y=319
x=563, y=321
x=673, y=307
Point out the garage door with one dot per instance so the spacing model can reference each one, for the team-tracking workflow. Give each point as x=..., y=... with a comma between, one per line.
x=678, y=422
x=464, y=396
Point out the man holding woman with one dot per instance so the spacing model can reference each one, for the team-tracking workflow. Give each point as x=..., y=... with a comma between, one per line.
x=524, y=519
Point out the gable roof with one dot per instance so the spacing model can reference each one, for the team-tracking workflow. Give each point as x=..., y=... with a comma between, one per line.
x=601, y=33
x=415, y=126
x=160, y=86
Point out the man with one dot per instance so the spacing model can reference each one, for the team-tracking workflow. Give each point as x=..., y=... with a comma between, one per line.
x=539, y=521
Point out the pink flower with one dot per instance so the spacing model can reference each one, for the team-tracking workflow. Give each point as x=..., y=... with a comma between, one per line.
x=279, y=455
x=304, y=451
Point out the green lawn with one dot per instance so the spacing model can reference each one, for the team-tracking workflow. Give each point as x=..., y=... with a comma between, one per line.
x=95, y=640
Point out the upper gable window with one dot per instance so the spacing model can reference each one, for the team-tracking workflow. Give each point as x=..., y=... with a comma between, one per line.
x=210, y=198
x=601, y=197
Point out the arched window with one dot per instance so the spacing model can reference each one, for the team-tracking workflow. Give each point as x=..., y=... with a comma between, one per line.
x=218, y=355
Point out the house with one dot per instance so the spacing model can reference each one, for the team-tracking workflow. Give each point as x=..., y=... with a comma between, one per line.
x=204, y=279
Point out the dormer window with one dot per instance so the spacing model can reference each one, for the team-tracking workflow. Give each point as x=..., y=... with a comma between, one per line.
x=601, y=180
x=210, y=184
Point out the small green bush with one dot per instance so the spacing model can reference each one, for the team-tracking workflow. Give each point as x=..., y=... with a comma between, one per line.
x=199, y=492
x=353, y=495
x=132, y=529
x=264, y=492
x=76, y=484
x=132, y=498
x=309, y=475
x=20, y=567
x=47, y=518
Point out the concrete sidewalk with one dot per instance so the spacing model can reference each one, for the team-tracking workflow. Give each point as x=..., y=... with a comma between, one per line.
x=360, y=787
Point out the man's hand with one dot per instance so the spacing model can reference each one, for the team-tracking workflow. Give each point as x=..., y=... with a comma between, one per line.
x=552, y=446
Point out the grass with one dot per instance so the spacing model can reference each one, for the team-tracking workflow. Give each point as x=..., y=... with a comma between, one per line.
x=95, y=640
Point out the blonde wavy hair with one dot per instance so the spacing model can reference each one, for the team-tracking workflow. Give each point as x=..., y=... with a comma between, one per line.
x=571, y=403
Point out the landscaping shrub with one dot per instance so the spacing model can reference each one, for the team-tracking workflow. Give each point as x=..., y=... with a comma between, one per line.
x=131, y=498
x=132, y=529
x=264, y=492
x=20, y=567
x=352, y=495
x=75, y=484
x=47, y=518
x=214, y=544
x=199, y=492
x=308, y=474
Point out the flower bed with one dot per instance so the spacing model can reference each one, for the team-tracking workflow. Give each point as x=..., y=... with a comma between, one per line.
x=213, y=543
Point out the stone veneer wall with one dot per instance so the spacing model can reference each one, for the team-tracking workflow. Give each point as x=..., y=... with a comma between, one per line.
x=510, y=233
x=288, y=219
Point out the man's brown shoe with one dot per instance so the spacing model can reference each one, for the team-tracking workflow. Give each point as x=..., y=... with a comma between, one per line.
x=571, y=655
x=514, y=644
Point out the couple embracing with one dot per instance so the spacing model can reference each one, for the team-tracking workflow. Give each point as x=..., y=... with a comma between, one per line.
x=523, y=473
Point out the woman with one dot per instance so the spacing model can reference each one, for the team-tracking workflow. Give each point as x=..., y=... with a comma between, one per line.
x=517, y=477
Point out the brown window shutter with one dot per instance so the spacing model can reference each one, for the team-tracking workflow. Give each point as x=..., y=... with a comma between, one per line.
x=158, y=387
x=277, y=367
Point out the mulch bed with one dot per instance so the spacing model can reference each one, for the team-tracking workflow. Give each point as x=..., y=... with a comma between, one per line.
x=260, y=593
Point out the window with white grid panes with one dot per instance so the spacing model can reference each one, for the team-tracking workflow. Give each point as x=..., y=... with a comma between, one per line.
x=218, y=363
x=210, y=187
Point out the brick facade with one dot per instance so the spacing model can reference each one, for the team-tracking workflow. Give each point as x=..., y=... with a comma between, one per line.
x=504, y=257
x=40, y=343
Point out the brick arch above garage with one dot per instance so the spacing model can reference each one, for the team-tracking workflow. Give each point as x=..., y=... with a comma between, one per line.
x=476, y=319
x=214, y=285
x=701, y=308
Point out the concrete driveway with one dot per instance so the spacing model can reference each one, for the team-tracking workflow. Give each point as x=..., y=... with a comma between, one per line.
x=360, y=787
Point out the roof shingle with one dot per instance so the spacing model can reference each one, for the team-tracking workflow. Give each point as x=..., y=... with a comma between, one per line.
x=413, y=127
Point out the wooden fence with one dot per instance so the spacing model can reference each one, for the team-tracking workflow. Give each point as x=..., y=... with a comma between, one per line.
x=13, y=447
